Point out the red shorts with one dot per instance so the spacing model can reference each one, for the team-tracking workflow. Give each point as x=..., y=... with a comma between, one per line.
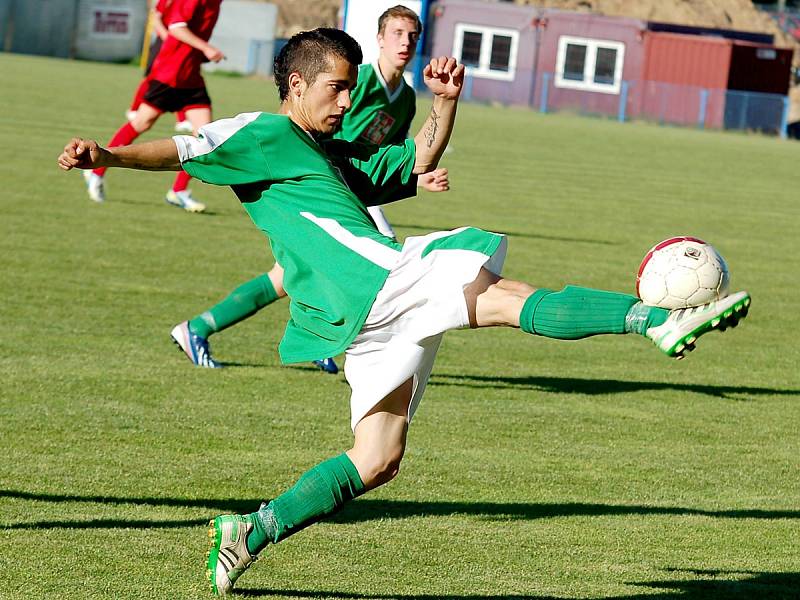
x=169, y=99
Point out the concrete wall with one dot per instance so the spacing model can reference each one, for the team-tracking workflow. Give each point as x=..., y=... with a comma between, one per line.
x=110, y=29
x=37, y=26
x=92, y=29
x=245, y=32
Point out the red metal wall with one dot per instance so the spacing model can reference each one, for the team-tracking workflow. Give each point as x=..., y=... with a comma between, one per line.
x=687, y=59
x=684, y=66
x=760, y=68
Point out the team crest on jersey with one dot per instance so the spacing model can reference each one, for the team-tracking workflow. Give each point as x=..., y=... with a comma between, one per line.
x=379, y=128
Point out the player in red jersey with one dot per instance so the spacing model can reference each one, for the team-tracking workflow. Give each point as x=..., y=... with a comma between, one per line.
x=157, y=18
x=175, y=84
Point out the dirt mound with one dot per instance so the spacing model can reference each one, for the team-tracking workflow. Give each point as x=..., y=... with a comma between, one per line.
x=301, y=15
x=722, y=14
x=298, y=15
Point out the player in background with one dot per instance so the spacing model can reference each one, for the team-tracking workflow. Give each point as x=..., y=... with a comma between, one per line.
x=157, y=17
x=308, y=197
x=383, y=107
x=176, y=83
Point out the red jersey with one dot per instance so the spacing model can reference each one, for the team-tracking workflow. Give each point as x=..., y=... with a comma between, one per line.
x=177, y=64
x=162, y=6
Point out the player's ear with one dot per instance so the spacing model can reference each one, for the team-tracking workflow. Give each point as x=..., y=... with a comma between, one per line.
x=296, y=83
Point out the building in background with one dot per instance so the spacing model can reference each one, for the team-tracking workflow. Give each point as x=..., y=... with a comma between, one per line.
x=92, y=29
x=622, y=67
x=113, y=30
x=245, y=32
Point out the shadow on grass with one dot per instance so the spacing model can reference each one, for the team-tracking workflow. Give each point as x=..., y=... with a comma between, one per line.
x=367, y=509
x=592, y=387
x=133, y=201
x=707, y=585
x=535, y=236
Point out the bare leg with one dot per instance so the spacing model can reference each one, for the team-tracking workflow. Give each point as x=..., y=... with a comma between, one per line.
x=276, y=278
x=198, y=117
x=145, y=118
x=380, y=438
x=493, y=301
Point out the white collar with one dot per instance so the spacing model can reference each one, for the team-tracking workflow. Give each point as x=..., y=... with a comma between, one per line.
x=391, y=96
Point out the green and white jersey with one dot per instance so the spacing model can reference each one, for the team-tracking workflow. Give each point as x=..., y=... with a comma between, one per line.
x=378, y=116
x=309, y=198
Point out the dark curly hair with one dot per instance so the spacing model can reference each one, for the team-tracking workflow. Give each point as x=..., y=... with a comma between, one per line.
x=309, y=53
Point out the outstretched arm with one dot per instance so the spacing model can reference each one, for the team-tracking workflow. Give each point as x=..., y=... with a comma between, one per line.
x=183, y=34
x=444, y=77
x=161, y=155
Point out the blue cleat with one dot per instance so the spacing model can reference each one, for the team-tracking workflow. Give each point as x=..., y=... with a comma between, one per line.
x=194, y=346
x=327, y=365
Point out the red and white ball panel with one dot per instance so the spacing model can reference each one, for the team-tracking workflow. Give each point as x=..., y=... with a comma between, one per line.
x=681, y=272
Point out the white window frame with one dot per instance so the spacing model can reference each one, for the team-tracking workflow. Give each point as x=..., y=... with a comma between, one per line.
x=487, y=33
x=588, y=83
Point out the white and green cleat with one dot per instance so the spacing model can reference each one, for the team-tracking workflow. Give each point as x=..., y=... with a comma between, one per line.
x=95, y=186
x=228, y=556
x=184, y=200
x=678, y=334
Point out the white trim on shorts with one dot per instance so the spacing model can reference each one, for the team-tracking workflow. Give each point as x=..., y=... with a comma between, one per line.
x=422, y=298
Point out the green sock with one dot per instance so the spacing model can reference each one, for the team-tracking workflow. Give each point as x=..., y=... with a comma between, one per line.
x=245, y=300
x=642, y=317
x=318, y=493
x=576, y=312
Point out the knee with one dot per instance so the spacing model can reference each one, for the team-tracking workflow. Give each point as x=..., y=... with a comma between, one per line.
x=501, y=304
x=518, y=288
x=142, y=125
x=276, y=279
x=278, y=286
x=381, y=467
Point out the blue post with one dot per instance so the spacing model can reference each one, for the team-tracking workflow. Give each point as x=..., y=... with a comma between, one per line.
x=545, y=90
x=419, y=65
x=785, y=118
x=468, y=79
x=743, y=119
x=252, y=57
x=623, y=102
x=701, y=115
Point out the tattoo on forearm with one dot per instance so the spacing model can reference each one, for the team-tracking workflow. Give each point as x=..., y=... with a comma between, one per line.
x=433, y=127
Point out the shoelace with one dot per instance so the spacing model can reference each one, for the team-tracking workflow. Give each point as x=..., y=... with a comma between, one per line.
x=203, y=355
x=685, y=312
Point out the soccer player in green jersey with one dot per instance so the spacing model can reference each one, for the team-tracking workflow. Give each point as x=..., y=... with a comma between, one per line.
x=307, y=194
x=382, y=108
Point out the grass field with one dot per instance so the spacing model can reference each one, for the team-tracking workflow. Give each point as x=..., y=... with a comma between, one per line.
x=535, y=469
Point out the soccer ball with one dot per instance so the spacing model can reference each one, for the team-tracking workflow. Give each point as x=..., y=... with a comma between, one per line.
x=682, y=272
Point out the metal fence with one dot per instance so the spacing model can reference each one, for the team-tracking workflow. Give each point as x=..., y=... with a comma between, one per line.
x=651, y=101
x=787, y=19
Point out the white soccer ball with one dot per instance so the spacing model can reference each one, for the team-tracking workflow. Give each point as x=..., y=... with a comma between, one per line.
x=681, y=272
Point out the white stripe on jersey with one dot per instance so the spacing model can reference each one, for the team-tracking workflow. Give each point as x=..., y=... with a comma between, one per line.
x=212, y=135
x=372, y=250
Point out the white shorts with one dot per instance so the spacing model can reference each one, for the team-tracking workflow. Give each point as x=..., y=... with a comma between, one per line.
x=421, y=299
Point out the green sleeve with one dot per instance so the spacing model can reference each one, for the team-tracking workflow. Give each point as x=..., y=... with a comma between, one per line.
x=225, y=152
x=377, y=174
x=388, y=165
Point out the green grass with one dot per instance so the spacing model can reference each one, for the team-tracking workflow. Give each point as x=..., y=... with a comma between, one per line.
x=535, y=469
